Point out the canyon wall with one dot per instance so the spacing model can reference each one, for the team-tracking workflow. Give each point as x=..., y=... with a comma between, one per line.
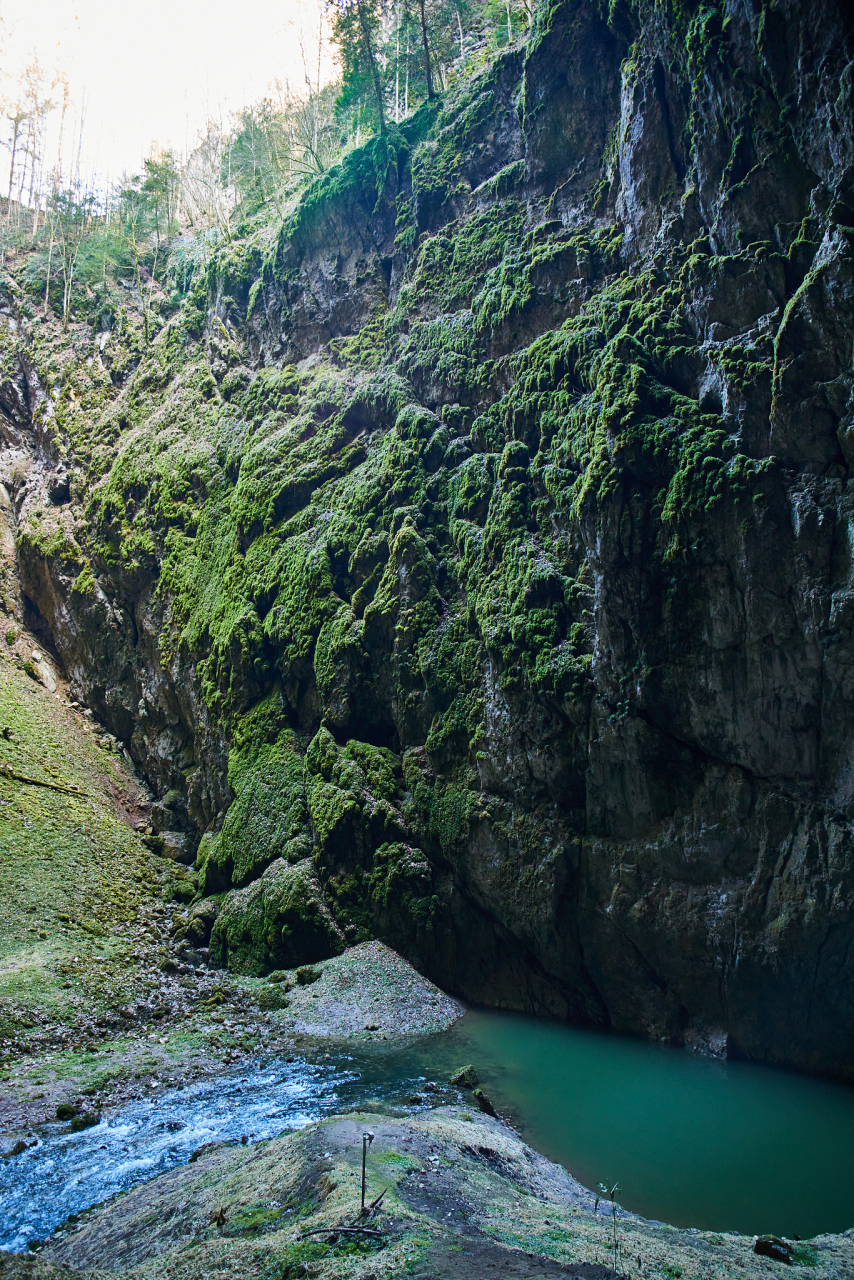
x=468, y=561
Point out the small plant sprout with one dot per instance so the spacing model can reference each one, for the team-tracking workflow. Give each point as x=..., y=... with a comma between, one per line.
x=610, y=1194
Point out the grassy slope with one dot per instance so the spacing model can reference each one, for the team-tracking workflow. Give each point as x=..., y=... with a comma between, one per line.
x=76, y=875
x=86, y=914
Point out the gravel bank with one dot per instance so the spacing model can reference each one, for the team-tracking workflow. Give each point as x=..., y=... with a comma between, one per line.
x=367, y=993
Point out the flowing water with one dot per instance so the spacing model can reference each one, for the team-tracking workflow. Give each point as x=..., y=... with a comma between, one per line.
x=726, y=1146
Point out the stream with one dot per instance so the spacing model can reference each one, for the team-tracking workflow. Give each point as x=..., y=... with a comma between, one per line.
x=691, y=1141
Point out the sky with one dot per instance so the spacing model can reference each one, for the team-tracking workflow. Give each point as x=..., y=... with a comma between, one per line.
x=152, y=73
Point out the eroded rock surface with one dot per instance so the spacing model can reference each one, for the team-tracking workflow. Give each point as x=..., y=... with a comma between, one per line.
x=498, y=566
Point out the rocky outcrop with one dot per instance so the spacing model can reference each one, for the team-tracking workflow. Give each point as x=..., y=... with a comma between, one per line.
x=278, y=921
x=498, y=558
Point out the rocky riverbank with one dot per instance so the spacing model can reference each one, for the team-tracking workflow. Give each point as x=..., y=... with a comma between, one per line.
x=460, y=1197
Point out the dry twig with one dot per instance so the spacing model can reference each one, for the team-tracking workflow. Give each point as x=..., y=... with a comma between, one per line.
x=6, y=771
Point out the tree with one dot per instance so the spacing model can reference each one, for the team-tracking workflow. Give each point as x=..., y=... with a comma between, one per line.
x=16, y=114
x=428, y=73
x=281, y=141
x=160, y=188
x=356, y=29
x=60, y=81
x=206, y=196
x=69, y=217
x=402, y=51
x=137, y=219
x=37, y=105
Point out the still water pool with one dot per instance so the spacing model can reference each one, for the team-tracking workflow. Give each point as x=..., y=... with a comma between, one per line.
x=691, y=1141
x=725, y=1146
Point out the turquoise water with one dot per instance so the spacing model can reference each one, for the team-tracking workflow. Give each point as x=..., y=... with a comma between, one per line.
x=691, y=1141
x=726, y=1146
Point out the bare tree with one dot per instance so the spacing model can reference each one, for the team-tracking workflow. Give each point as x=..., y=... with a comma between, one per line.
x=70, y=218
x=16, y=114
x=35, y=87
x=204, y=199
x=60, y=80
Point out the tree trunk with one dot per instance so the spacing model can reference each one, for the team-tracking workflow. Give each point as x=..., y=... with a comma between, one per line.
x=16, y=128
x=49, y=259
x=139, y=285
x=427, y=68
x=369, y=54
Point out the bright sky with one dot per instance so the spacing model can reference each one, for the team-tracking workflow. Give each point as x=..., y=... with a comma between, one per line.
x=153, y=72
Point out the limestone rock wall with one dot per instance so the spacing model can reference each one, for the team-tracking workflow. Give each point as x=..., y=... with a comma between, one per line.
x=499, y=559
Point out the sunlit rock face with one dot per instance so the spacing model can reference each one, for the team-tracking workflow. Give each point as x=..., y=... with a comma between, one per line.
x=495, y=574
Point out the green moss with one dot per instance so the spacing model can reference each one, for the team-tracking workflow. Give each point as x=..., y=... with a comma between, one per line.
x=75, y=876
x=272, y=391
x=361, y=180
x=268, y=816
x=51, y=541
x=279, y=921
x=366, y=349
x=448, y=267
x=84, y=583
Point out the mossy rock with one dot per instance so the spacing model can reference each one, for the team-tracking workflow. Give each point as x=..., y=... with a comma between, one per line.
x=281, y=976
x=773, y=1247
x=484, y=1103
x=87, y=1120
x=271, y=998
x=279, y=921
x=466, y=1077
x=198, y=922
x=269, y=815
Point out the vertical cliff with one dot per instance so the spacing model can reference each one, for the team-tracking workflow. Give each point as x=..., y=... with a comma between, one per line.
x=468, y=560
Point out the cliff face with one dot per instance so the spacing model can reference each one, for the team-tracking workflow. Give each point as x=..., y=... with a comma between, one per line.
x=469, y=562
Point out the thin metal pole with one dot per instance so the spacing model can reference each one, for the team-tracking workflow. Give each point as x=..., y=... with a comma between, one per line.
x=367, y=1139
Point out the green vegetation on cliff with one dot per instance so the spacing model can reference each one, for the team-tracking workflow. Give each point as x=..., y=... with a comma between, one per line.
x=432, y=518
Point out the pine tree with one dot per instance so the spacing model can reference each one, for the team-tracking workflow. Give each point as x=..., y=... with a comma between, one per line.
x=356, y=29
x=428, y=71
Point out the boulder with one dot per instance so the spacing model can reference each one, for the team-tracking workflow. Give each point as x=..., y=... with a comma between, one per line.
x=466, y=1077
x=87, y=1120
x=279, y=921
x=282, y=976
x=177, y=846
x=198, y=922
x=773, y=1247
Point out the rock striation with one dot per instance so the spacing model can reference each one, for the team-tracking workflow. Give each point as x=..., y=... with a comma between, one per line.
x=468, y=560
